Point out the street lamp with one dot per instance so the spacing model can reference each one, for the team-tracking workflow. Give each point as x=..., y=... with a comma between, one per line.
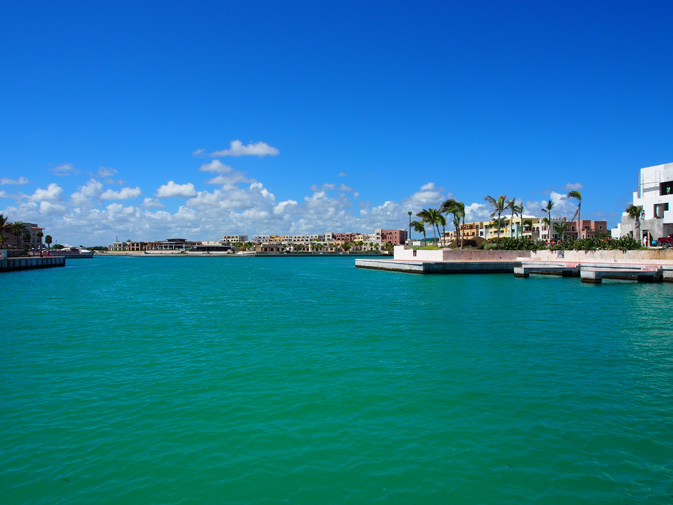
x=409, y=236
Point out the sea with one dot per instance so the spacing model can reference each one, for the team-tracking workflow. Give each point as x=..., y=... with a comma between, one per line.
x=304, y=380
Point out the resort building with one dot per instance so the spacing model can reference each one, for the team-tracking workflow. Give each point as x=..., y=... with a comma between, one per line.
x=233, y=239
x=655, y=195
x=29, y=237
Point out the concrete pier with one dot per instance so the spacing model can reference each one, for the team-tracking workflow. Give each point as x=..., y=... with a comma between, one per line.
x=562, y=269
x=13, y=264
x=439, y=267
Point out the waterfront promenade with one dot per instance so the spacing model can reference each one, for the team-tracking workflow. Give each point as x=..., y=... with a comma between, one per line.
x=591, y=266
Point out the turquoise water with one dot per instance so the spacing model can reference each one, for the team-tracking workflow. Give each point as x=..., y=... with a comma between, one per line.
x=308, y=381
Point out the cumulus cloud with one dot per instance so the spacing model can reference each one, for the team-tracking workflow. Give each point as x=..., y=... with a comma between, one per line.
x=152, y=203
x=237, y=148
x=7, y=181
x=105, y=172
x=50, y=194
x=428, y=196
x=172, y=190
x=216, y=167
x=122, y=194
x=64, y=169
x=86, y=193
x=573, y=186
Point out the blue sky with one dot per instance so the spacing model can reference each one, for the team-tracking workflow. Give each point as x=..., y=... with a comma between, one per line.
x=149, y=120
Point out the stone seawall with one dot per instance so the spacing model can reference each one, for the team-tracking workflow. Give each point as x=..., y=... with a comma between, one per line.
x=13, y=264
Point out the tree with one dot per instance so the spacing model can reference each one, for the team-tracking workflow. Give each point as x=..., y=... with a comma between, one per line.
x=498, y=223
x=577, y=196
x=634, y=212
x=527, y=223
x=48, y=240
x=39, y=238
x=17, y=229
x=456, y=208
x=419, y=227
x=561, y=228
x=430, y=216
x=3, y=225
x=511, y=204
x=441, y=221
x=547, y=209
x=498, y=205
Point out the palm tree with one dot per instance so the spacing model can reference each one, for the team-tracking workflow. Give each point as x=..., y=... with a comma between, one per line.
x=511, y=204
x=47, y=240
x=577, y=196
x=39, y=237
x=498, y=205
x=547, y=209
x=634, y=212
x=3, y=223
x=419, y=227
x=456, y=208
x=441, y=221
x=17, y=229
x=527, y=223
x=430, y=216
x=561, y=228
x=498, y=223
x=456, y=223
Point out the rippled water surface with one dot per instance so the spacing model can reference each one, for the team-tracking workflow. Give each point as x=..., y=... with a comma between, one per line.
x=308, y=381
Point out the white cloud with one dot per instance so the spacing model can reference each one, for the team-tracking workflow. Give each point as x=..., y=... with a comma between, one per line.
x=216, y=167
x=236, y=148
x=152, y=203
x=573, y=186
x=342, y=174
x=428, y=196
x=199, y=152
x=122, y=194
x=105, y=172
x=85, y=194
x=477, y=212
x=52, y=193
x=64, y=169
x=171, y=190
x=6, y=181
x=51, y=208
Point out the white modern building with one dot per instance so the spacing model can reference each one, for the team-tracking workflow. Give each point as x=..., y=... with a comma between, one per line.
x=655, y=196
x=233, y=239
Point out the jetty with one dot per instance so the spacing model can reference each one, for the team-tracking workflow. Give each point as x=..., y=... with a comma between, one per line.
x=30, y=263
x=590, y=266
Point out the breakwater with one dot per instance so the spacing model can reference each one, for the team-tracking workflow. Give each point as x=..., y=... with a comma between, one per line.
x=13, y=264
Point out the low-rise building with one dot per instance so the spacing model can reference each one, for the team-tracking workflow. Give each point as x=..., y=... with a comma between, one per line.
x=655, y=195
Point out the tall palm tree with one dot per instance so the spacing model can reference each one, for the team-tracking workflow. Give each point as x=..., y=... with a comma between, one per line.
x=456, y=208
x=561, y=228
x=527, y=223
x=419, y=227
x=547, y=209
x=634, y=212
x=17, y=229
x=511, y=204
x=430, y=216
x=441, y=221
x=47, y=240
x=577, y=196
x=3, y=223
x=456, y=223
x=498, y=205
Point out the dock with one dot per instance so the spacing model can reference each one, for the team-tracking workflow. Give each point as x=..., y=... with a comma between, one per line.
x=438, y=267
x=14, y=264
x=590, y=267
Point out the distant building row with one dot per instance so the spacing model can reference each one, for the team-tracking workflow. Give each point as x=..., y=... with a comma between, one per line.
x=533, y=227
x=328, y=241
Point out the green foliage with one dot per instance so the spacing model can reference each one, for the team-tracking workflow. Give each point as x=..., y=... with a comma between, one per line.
x=427, y=248
x=598, y=244
x=58, y=246
x=521, y=244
